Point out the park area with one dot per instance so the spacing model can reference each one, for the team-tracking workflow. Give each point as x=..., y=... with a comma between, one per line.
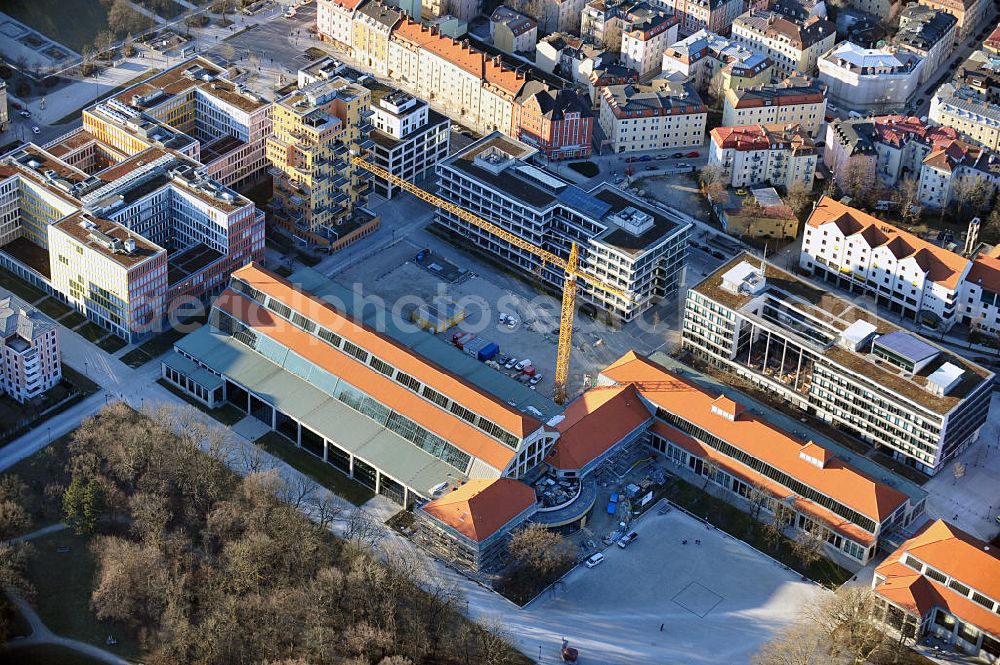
x=49, y=17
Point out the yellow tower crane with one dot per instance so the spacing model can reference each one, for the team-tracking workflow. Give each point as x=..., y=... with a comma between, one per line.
x=570, y=266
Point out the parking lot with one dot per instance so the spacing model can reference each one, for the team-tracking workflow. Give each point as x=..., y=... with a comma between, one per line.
x=718, y=601
x=392, y=274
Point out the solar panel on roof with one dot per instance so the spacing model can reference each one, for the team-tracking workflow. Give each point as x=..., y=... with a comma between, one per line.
x=907, y=346
x=580, y=200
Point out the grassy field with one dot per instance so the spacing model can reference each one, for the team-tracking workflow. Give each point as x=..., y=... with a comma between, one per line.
x=91, y=332
x=62, y=572
x=19, y=287
x=53, y=307
x=156, y=347
x=315, y=468
x=112, y=343
x=49, y=17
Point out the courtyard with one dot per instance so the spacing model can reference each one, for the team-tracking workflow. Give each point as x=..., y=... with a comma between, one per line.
x=718, y=601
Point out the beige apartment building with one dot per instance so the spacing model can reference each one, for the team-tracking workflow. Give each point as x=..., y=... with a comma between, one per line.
x=795, y=101
x=662, y=114
x=793, y=45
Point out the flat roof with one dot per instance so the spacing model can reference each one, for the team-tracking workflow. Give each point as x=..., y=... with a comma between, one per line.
x=907, y=346
x=77, y=227
x=839, y=313
x=188, y=261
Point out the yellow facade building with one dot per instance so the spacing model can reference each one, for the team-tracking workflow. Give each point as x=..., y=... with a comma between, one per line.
x=316, y=191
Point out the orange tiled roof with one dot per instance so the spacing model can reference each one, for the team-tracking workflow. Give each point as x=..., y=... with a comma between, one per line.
x=503, y=77
x=480, y=508
x=504, y=415
x=594, y=422
x=985, y=271
x=943, y=267
x=836, y=479
x=955, y=553
x=775, y=489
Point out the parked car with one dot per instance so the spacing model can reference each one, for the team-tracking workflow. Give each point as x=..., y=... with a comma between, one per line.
x=693, y=154
x=650, y=168
x=619, y=179
x=820, y=144
x=510, y=363
x=36, y=130
x=595, y=560
x=25, y=114
x=536, y=378
x=741, y=192
x=290, y=12
x=677, y=155
x=646, y=158
x=521, y=365
x=628, y=540
x=682, y=165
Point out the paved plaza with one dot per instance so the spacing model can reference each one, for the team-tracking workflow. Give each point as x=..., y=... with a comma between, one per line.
x=718, y=601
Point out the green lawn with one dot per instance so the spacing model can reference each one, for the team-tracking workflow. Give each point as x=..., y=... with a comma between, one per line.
x=73, y=319
x=49, y=17
x=734, y=521
x=81, y=381
x=315, y=468
x=19, y=287
x=91, y=331
x=227, y=414
x=112, y=343
x=157, y=346
x=63, y=581
x=136, y=358
x=53, y=307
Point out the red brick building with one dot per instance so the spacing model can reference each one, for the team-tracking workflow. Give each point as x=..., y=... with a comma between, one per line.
x=557, y=122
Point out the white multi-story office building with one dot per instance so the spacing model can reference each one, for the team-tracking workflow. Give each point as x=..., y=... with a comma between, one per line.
x=623, y=241
x=409, y=138
x=30, y=361
x=826, y=356
x=661, y=114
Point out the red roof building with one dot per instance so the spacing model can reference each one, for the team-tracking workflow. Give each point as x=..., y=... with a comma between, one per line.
x=557, y=122
x=946, y=583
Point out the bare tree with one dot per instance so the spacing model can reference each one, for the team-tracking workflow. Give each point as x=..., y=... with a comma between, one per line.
x=799, y=198
x=989, y=232
x=538, y=549
x=708, y=469
x=798, y=644
x=327, y=508
x=857, y=180
x=907, y=195
x=298, y=490
x=808, y=543
x=847, y=619
x=363, y=531
x=758, y=497
x=713, y=181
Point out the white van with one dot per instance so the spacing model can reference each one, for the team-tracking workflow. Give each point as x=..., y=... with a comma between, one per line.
x=521, y=365
x=595, y=560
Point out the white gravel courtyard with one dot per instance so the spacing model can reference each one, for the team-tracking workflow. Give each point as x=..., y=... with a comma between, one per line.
x=718, y=601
